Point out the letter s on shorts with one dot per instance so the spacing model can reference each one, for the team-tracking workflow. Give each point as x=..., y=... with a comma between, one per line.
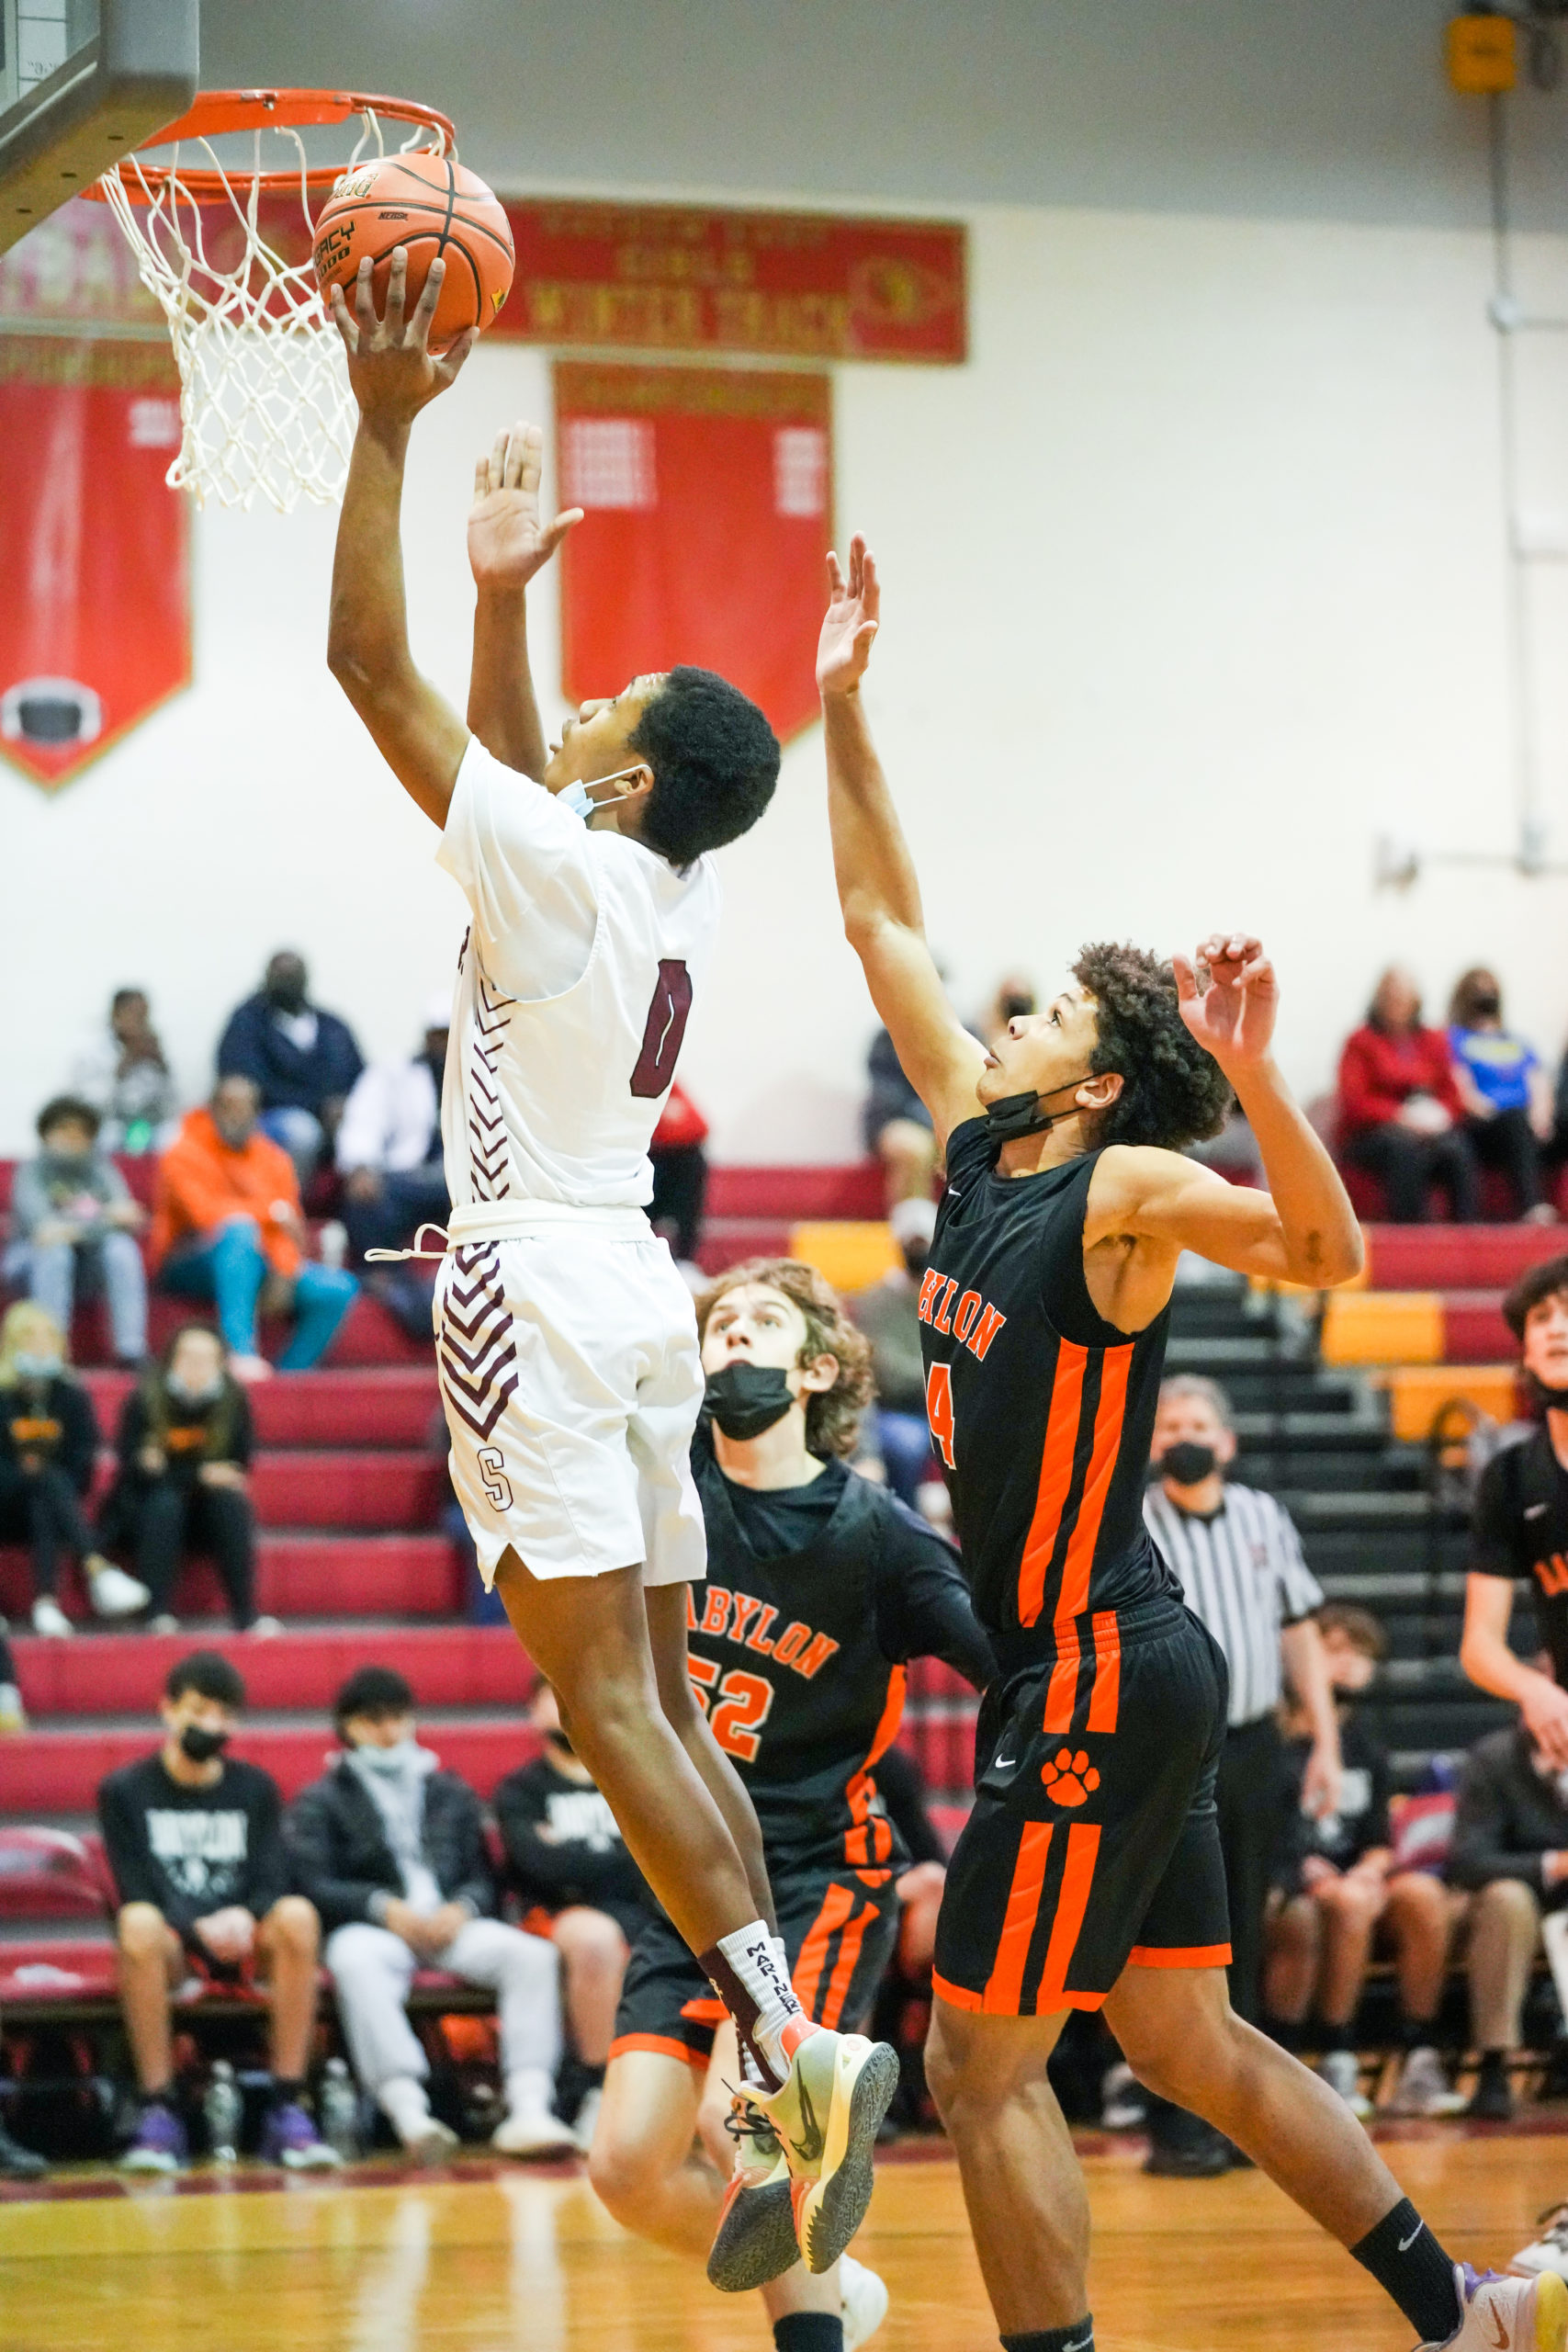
x=492, y=1470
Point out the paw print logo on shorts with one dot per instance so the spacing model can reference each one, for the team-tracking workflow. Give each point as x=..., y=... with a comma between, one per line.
x=1071, y=1779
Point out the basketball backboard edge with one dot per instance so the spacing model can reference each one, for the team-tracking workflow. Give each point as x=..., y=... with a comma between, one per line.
x=129, y=66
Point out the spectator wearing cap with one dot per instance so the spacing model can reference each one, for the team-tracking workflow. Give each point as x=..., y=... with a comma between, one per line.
x=889, y=1313
x=123, y=1071
x=303, y=1062
x=391, y=1850
x=73, y=1221
x=227, y=1227
x=388, y=1143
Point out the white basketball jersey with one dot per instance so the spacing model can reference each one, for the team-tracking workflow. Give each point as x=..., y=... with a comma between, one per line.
x=574, y=984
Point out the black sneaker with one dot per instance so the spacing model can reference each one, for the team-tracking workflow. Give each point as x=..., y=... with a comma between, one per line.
x=17, y=2162
x=1202, y=2155
x=1492, y=2101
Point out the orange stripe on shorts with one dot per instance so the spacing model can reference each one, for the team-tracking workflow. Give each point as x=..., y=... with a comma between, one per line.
x=1055, y=1478
x=806, y=1974
x=839, y=1983
x=1005, y=1986
x=1106, y=1696
x=1077, y=1875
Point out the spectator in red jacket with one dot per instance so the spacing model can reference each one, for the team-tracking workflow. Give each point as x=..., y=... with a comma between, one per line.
x=1400, y=1110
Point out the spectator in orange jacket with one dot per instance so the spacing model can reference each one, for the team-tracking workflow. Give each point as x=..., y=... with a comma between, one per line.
x=227, y=1226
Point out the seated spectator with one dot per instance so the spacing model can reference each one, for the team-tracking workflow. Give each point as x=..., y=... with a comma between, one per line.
x=1506, y=1092
x=73, y=1219
x=897, y=1126
x=124, y=1073
x=1510, y=1850
x=13, y=1714
x=580, y=1887
x=227, y=1227
x=49, y=1444
x=889, y=1313
x=17, y=2162
x=303, y=1061
x=1340, y=1888
x=1400, y=1110
x=391, y=1850
x=680, y=1174
x=388, y=1146
x=195, y=1844
x=185, y=1443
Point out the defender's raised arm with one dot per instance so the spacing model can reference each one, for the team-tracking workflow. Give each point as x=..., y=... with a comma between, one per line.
x=393, y=375
x=878, y=892
x=1302, y=1228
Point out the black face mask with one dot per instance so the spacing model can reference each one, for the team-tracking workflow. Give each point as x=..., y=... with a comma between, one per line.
x=1019, y=1115
x=1015, y=1004
x=1187, y=1464
x=1486, y=1006
x=1550, y=1400
x=285, y=996
x=201, y=1745
x=747, y=1398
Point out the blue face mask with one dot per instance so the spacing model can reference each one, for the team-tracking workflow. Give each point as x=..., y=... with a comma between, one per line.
x=582, y=799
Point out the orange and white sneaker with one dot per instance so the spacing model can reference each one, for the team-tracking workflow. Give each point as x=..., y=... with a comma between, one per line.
x=755, y=2238
x=1507, y=2315
x=827, y=2114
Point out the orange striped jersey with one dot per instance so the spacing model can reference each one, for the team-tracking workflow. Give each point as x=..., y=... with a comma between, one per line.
x=1041, y=1411
x=816, y=1598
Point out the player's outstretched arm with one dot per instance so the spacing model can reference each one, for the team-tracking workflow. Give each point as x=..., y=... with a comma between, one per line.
x=878, y=892
x=393, y=374
x=1302, y=1229
x=508, y=543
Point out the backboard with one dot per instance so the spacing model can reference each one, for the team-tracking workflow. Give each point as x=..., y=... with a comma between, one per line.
x=82, y=82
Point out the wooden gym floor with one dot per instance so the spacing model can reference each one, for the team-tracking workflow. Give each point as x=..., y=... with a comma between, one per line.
x=481, y=2259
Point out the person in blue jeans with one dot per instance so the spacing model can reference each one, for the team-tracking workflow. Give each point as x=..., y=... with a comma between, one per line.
x=889, y=1313
x=1505, y=1091
x=227, y=1229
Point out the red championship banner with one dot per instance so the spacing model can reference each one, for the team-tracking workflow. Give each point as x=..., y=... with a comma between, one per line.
x=708, y=497
x=779, y=284
x=94, y=576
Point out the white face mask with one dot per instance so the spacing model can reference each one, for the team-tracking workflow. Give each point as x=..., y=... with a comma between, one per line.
x=387, y=1760
x=582, y=799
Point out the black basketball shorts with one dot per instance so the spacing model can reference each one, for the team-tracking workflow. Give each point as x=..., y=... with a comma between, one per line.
x=838, y=1927
x=1094, y=1843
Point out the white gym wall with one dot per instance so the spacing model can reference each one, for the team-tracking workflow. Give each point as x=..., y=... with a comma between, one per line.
x=1195, y=585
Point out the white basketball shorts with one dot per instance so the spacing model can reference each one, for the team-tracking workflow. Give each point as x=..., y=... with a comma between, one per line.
x=571, y=1378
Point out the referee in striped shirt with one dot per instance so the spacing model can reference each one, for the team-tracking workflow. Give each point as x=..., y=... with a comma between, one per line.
x=1239, y=1559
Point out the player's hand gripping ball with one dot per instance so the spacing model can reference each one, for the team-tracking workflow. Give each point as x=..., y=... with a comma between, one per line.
x=432, y=206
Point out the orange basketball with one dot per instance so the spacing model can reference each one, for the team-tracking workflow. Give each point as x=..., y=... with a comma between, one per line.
x=432, y=206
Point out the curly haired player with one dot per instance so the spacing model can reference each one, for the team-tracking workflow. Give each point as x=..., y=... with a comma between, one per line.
x=1089, y=1875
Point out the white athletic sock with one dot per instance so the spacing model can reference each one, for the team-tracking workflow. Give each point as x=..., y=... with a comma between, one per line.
x=405, y=2104
x=753, y=1983
x=529, y=2092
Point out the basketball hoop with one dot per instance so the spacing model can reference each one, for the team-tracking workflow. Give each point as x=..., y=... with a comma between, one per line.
x=265, y=404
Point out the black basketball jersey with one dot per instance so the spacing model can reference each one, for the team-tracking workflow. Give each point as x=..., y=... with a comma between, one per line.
x=1040, y=1410
x=798, y=1658
x=1519, y=1528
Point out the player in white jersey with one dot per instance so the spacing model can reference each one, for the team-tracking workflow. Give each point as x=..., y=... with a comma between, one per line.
x=566, y=1340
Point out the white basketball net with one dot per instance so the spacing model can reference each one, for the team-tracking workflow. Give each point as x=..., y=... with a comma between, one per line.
x=265, y=406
